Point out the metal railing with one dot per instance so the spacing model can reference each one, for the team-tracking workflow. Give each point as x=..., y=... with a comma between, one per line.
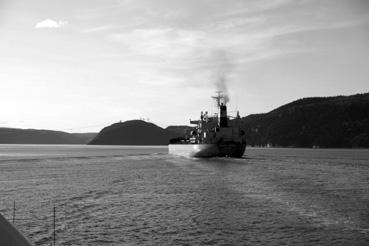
x=15, y=218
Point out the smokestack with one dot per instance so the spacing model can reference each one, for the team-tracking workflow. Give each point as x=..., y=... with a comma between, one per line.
x=223, y=120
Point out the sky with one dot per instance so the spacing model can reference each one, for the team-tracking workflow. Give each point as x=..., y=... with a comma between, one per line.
x=80, y=65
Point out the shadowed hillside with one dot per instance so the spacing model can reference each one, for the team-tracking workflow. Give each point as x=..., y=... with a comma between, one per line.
x=332, y=122
x=133, y=132
x=32, y=136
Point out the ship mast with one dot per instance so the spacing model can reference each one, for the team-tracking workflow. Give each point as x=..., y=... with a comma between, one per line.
x=219, y=98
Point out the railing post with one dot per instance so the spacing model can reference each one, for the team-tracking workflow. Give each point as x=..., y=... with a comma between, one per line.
x=13, y=212
x=54, y=227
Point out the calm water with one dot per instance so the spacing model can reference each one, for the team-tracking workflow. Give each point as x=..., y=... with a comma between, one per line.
x=143, y=196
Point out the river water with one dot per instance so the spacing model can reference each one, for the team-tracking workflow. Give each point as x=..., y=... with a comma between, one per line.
x=143, y=196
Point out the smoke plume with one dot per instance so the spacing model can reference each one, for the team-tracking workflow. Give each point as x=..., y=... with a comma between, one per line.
x=221, y=85
x=222, y=67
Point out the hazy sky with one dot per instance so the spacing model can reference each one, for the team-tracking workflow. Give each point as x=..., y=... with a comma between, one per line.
x=79, y=65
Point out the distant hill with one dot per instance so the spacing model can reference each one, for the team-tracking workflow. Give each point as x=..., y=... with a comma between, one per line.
x=331, y=122
x=325, y=122
x=33, y=136
x=133, y=132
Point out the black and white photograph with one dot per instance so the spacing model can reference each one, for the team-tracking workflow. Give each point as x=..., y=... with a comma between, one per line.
x=184, y=122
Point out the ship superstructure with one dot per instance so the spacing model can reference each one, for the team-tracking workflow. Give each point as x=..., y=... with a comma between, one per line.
x=217, y=135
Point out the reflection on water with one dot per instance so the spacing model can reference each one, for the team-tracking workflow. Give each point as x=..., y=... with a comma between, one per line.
x=143, y=196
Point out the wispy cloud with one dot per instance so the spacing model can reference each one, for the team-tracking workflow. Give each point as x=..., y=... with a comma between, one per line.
x=163, y=42
x=185, y=48
x=49, y=23
x=99, y=29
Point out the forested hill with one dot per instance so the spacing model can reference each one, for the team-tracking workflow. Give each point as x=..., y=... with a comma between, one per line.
x=33, y=136
x=133, y=132
x=325, y=122
x=331, y=122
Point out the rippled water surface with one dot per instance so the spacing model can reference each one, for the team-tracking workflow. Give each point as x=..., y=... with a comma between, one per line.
x=143, y=196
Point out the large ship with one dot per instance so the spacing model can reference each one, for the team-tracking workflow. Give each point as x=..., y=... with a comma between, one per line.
x=217, y=135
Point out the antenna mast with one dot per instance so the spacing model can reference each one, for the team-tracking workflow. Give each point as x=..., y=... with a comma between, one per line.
x=218, y=98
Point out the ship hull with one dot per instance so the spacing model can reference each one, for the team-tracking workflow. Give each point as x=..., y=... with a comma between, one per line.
x=208, y=150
